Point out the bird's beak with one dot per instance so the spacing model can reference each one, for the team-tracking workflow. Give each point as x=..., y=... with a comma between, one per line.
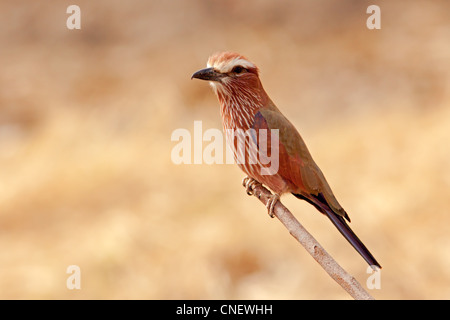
x=208, y=74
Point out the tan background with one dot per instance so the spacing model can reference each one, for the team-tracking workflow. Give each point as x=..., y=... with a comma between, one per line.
x=86, y=176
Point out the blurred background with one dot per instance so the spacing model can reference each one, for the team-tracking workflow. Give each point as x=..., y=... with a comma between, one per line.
x=86, y=176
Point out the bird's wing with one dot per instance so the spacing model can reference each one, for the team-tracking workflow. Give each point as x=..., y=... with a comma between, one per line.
x=298, y=167
x=296, y=164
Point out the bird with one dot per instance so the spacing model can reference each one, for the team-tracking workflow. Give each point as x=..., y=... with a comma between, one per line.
x=246, y=107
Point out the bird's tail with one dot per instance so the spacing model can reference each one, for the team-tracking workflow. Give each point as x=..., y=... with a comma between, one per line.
x=351, y=237
x=340, y=223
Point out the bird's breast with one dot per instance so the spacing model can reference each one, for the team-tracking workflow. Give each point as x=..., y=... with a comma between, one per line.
x=252, y=159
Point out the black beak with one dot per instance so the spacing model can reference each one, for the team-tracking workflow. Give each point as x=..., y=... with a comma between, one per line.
x=208, y=74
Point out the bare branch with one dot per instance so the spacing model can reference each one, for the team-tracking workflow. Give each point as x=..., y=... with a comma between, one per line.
x=342, y=277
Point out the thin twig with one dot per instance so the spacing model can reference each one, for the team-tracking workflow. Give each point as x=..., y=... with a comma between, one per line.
x=342, y=277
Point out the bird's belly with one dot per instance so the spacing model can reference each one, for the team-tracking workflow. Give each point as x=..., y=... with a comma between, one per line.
x=255, y=163
x=274, y=182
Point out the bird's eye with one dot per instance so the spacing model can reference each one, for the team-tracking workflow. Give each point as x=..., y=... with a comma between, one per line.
x=238, y=69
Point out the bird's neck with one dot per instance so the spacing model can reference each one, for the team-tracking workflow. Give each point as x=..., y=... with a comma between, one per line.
x=238, y=106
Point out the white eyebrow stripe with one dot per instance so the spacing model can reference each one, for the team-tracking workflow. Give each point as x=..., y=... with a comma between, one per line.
x=227, y=66
x=240, y=62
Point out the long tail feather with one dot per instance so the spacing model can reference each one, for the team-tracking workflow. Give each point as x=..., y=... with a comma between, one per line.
x=351, y=237
x=340, y=223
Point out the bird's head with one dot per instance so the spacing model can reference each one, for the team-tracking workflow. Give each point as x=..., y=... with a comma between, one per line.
x=230, y=73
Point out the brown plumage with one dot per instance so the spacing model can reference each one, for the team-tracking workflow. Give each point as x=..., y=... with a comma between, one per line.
x=246, y=107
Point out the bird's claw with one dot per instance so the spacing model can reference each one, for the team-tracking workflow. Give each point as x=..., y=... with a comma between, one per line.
x=271, y=202
x=249, y=184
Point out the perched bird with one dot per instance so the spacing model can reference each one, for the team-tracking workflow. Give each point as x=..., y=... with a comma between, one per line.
x=245, y=106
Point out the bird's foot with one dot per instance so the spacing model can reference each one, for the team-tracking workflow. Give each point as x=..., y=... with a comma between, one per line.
x=249, y=184
x=271, y=203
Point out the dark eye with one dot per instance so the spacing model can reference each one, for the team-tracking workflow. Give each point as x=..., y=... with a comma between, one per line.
x=238, y=69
